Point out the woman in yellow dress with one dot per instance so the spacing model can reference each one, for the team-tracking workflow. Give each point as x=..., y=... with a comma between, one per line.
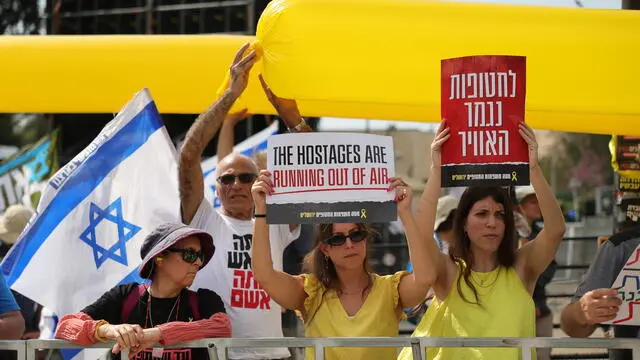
x=483, y=287
x=338, y=295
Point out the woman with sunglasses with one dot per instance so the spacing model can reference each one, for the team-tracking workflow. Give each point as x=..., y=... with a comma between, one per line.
x=339, y=295
x=137, y=316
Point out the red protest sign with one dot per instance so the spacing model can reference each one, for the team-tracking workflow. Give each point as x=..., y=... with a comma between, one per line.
x=483, y=102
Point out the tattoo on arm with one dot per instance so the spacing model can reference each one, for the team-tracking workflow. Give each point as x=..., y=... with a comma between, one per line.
x=190, y=171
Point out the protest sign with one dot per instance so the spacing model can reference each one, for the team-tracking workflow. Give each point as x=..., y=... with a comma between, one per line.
x=625, y=160
x=483, y=103
x=628, y=285
x=330, y=178
x=23, y=175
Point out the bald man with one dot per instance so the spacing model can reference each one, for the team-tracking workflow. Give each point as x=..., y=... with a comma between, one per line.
x=253, y=313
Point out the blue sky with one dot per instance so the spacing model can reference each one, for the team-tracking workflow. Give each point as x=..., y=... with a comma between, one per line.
x=339, y=124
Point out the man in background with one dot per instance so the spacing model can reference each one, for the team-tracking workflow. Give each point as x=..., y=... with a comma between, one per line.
x=12, y=223
x=529, y=208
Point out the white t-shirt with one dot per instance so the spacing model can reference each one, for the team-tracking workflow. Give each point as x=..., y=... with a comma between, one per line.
x=252, y=311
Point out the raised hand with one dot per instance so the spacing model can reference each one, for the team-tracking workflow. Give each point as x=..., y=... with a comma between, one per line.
x=240, y=70
x=530, y=137
x=442, y=135
x=236, y=117
x=261, y=187
x=404, y=195
x=287, y=108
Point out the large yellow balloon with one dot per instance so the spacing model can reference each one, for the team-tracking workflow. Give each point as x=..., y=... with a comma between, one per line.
x=348, y=58
x=582, y=65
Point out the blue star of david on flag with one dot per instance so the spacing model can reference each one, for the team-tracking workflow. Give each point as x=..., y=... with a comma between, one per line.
x=126, y=230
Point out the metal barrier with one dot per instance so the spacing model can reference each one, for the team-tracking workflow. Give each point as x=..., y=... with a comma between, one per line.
x=17, y=346
x=217, y=348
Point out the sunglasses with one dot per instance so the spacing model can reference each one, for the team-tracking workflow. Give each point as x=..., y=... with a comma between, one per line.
x=188, y=255
x=340, y=239
x=245, y=178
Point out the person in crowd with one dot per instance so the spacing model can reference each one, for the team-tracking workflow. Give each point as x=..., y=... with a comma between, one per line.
x=529, y=208
x=12, y=223
x=295, y=251
x=230, y=271
x=595, y=301
x=483, y=287
x=338, y=295
x=11, y=320
x=137, y=316
x=442, y=233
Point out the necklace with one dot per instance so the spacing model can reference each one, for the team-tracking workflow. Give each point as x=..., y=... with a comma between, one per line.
x=353, y=292
x=485, y=283
x=150, y=319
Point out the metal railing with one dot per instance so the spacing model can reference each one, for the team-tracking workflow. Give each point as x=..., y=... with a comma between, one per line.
x=218, y=348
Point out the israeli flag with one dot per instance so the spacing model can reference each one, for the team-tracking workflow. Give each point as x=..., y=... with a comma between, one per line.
x=248, y=147
x=95, y=212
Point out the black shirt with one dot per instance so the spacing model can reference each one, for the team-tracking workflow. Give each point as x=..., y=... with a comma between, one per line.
x=158, y=311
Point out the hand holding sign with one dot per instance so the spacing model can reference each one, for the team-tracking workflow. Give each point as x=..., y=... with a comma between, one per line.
x=261, y=187
x=532, y=144
x=403, y=194
x=600, y=305
x=442, y=135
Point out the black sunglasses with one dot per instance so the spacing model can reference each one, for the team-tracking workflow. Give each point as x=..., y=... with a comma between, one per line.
x=245, y=178
x=340, y=239
x=188, y=255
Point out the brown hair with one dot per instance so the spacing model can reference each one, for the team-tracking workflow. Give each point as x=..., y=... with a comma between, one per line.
x=460, y=249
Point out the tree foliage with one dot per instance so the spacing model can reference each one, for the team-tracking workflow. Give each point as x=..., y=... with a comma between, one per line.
x=19, y=17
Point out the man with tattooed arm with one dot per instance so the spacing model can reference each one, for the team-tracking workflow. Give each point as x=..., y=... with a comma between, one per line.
x=253, y=314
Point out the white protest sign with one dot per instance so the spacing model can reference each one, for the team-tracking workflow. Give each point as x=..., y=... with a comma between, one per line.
x=330, y=177
x=628, y=285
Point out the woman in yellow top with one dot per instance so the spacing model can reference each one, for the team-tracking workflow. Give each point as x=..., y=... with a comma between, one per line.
x=339, y=296
x=483, y=287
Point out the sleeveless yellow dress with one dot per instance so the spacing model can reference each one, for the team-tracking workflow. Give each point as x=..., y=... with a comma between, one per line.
x=506, y=310
x=379, y=316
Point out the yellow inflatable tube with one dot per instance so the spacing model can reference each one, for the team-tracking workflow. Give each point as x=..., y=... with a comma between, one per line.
x=582, y=72
x=375, y=59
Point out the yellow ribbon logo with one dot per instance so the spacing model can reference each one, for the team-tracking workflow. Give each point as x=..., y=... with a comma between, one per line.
x=363, y=214
x=514, y=176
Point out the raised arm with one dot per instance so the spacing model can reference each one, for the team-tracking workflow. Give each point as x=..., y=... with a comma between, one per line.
x=413, y=287
x=202, y=131
x=289, y=114
x=287, y=110
x=285, y=289
x=536, y=255
x=226, y=140
x=435, y=262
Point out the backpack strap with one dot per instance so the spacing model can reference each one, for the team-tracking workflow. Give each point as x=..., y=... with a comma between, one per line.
x=131, y=301
x=193, y=303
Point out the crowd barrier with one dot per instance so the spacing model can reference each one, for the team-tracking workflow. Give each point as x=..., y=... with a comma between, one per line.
x=218, y=347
